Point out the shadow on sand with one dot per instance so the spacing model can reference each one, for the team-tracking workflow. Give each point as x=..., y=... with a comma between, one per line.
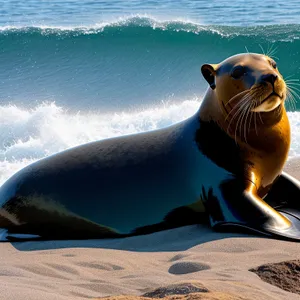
x=179, y=239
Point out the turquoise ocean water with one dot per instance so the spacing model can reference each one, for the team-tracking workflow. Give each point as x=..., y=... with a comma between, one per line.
x=77, y=71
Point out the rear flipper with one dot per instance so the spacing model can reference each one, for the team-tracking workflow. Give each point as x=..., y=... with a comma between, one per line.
x=277, y=215
x=285, y=196
x=42, y=219
x=5, y=236
x=285, y=193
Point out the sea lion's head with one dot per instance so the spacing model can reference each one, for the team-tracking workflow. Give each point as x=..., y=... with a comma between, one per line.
x=245, y=101
x=246, y=85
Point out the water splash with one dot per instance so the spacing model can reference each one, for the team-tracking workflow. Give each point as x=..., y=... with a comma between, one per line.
x=29, y=135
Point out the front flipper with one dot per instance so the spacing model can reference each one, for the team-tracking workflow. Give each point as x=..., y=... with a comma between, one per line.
x=243, y=208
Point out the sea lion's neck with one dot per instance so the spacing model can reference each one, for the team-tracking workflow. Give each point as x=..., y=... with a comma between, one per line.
x=273, y=133
x=271, y=146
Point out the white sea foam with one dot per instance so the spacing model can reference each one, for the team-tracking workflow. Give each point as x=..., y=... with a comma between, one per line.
x=271, y=32
x=29, y=135
x=138, y=20
x=133, y=19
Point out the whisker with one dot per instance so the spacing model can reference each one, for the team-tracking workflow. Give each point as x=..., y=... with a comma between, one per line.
x=292, y=99
x=293, y=79
x=236, y=114
x=273, y=56
x=268, y=50
x=292, y=102
x=295, y=94
x=245, y=123
x=251, y=114
x=272, y=51
x=255, y=126
x=237, y=95
x=262, y=122
x=292, y=90
x=292, y=84
x=241, y=121
x=289, y=76
x=243, y=100
x=262, y=49
x=294, y=87
x=236, y=127
x=242, y=108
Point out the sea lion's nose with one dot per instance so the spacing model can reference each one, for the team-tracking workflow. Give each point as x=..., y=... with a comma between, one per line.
x=269, y=78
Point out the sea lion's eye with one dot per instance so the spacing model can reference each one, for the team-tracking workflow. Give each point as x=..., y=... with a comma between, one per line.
x=238, y=72
x=273, y=64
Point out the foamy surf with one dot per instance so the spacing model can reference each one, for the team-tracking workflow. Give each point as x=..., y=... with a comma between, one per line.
x=271, y=32
x=29, y=135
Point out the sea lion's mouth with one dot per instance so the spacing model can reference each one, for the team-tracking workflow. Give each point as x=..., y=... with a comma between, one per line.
x=271, y=102
x=272, y=94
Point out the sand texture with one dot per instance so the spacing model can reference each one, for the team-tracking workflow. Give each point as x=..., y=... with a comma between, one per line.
x=191, y=263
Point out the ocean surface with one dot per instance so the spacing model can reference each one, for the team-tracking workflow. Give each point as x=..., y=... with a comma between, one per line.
x=77, y=71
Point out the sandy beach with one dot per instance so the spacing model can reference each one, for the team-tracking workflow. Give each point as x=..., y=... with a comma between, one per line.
x=193, y=259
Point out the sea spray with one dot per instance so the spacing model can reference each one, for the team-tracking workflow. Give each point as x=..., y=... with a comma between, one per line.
x=27, y=135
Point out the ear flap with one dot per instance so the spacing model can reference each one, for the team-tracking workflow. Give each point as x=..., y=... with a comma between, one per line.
x=209, y=72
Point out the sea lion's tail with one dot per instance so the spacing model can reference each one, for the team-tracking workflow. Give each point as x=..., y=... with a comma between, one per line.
x=7, y=223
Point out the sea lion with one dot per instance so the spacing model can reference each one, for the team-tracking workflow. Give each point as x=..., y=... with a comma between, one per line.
x=223, y=165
